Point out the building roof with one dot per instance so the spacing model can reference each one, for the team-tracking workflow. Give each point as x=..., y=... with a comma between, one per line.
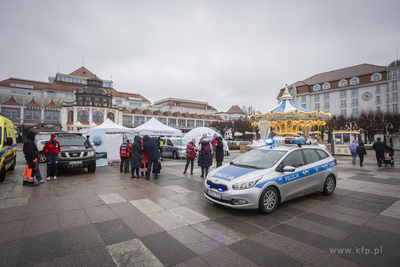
x=33, y=104
x=147, y=112
x=185, y=103
x=129, y=96
x=158, y=113
x=52, y=105
x=82, y=72
x=12, y=102
x=125, y=111
x=36, y=85
x=136, y=111
x=177, y=114
x=235, y=110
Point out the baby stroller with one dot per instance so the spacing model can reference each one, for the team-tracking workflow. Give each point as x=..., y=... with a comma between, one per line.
x=388, y=156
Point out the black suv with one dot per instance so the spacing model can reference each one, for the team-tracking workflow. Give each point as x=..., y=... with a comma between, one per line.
x=76, y=152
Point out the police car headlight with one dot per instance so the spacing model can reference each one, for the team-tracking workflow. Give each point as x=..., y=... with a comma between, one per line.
x=91, y=153
x=246, y=185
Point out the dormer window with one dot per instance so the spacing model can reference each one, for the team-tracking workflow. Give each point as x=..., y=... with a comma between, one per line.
x=176, y=104
x=326, y=86
x=317, y=87
x=208, y=107
x=343, y=83
x=354, y=81
x=376, y=77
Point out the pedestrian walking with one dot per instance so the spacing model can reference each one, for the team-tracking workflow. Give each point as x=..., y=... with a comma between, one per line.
x=361, y=151
x=214, y=142
x=219, y=151
x=205, y=156
x=31, y=154
x=124, y=153
x=51, y=150
x=353, y=149
x=136, y=161
x=379, y=148
x=190, y=155
x=153, y=154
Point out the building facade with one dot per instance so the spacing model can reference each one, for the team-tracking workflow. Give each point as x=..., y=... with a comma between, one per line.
x=348, y=91
x=82, y=100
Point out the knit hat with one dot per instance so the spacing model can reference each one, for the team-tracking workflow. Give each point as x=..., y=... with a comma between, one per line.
x=53, y=136
x=193, y=140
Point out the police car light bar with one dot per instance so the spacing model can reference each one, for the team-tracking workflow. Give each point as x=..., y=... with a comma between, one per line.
x=298, y=142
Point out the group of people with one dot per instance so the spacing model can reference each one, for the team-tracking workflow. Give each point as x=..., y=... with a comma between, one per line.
x=359, y=149
x=143, y=154
x=206, y=149
x=32, y=157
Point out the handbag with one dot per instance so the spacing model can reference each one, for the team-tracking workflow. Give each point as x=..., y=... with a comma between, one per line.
x=141, y=157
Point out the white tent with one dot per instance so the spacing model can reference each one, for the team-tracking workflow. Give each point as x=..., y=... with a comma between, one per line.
x=155, y=128
x=197, y=133
x=110, y=127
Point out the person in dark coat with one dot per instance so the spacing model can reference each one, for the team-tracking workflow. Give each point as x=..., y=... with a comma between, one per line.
x=361, y=151
x=219, y=151
x=153, y=154
x=205, y=155
x=379, y=148
x=31, y=154
x=136, y=161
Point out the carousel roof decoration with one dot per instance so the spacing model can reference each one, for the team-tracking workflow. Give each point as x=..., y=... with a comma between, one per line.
x=288, y=119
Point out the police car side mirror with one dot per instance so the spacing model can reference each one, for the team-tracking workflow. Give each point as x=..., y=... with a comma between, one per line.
x=289, y=169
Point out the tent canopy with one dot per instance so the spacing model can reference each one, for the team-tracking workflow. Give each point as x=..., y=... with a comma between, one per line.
x=155, y=128
x=109, y=127
x=197, y=133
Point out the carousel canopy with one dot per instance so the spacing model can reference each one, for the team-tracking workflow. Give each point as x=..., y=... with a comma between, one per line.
x=288, y=105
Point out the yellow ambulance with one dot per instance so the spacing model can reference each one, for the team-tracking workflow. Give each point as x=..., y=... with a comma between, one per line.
x=8, y=147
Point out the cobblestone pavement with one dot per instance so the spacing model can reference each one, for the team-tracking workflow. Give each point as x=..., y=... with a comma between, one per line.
x=109, y=219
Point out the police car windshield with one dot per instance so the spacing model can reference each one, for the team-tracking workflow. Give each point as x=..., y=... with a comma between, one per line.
x=259, y=159
x=72, y=141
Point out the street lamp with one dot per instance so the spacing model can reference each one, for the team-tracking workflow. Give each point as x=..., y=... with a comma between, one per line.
x=351, y=123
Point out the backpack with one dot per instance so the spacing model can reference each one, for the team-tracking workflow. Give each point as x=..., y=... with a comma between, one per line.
x=206, y=149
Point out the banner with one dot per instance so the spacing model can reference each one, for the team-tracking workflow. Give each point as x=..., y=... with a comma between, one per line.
x=98, y=139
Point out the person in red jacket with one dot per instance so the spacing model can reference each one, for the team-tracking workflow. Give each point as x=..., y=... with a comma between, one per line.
x=51, y=150
x=125, y=152
x=190, y=155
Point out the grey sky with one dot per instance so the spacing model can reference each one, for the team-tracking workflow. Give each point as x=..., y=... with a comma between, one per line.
x=224, y=52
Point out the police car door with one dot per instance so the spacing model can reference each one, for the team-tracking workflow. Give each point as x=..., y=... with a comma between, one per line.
x=316, y=169
x=293, y=182
x=168, y=148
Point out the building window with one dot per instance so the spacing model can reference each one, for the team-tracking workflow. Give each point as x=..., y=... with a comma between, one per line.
x=12, y=114
x=52, y=116
x=207, y=123
x=316, y=98
x=395, y=108
x=88, y=98
x=177, y=104
x=395, y=98
x=51, y=95
x=343, y=103
x=326, y=105
x=326, y=96
x=376, y=77
x=171, y=122
x=162, y=120
x=378, y=89
x=96, y=99
x=354, y=102
x=69, y=96
x=394, y=74
x=138, y=120
x=97, y=116
x=354, y=112
x=343, y=94
x=378, y=100
x=32, y=114
x=378, y=108
x=303, y=99
x=118, y=102
x=343, y=112
x=395, y=87
x=342, y=83
x=354, y=92
x=182, y=123
x=190, y=123
x=70, y=116
x=354, y=81
x=304, y=106
x=317, y=87
x=326, y=86
x=316, y=106
x=110, y=116
x=83, y=115
x=199, y=123
x=126, y=119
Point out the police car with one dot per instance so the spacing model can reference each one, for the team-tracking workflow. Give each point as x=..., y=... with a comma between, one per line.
x=268, y=175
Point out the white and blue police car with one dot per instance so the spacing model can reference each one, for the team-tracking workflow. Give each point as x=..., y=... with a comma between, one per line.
x=268, y=175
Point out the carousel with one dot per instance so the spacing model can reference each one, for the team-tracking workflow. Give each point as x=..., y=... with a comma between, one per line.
x=288, y=120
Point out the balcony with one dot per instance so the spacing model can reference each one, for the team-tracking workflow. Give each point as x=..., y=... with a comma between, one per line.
x=354, y=104
x=377, y=91
x=395, y=99
x=377, y=102
x=395, y=88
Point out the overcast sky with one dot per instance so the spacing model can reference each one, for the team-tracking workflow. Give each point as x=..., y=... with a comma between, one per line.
x=222, y=52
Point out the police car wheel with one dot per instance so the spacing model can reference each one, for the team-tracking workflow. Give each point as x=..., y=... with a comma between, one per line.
x=269, y=200
x=329, y=185
x=175, y=155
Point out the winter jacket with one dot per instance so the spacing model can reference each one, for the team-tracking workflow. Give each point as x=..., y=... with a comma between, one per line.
x=361, y=149
x=150, y=147
x=125, y=150
x=219, y=150
x=379, y=146
x=205, y=159
x=214, y=142
x=49, y=148
x=136, y=161
x=30, y=149
x=353, y=146
x=190, y=150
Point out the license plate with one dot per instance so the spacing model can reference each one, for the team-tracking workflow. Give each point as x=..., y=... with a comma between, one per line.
x=214, y=194
x=75, y=162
